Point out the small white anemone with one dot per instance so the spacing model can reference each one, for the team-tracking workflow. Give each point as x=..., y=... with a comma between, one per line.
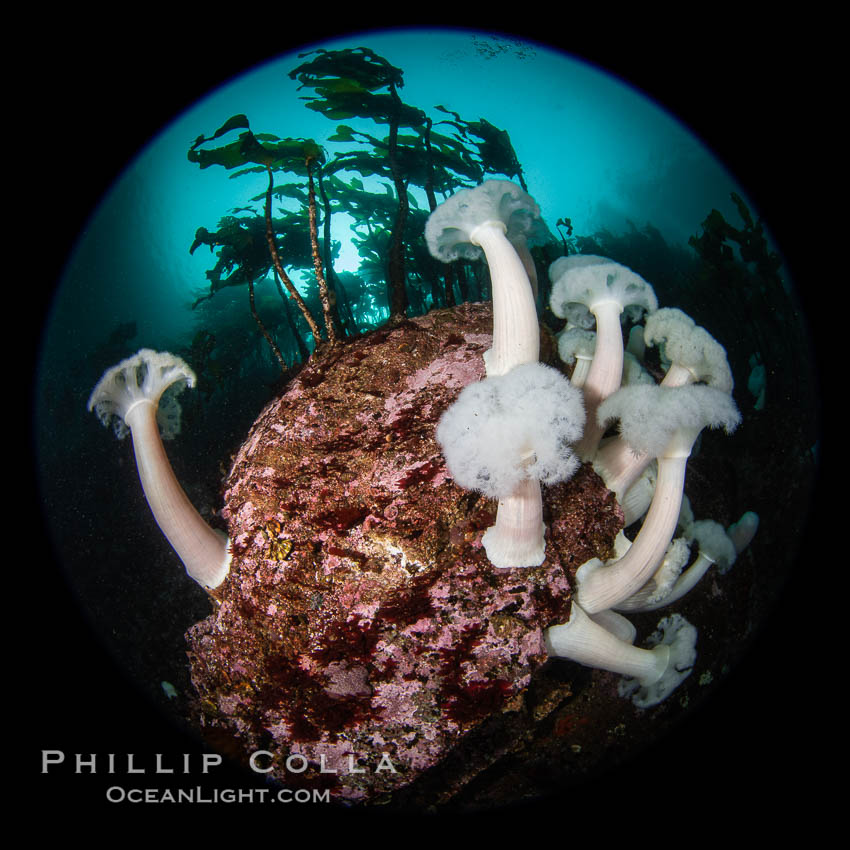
x=664, y=422
x=575, y=346
x=129, y=395
x=475, y=220
x=693, y=353
x=606, y=289
x=604, y=642
x=679, y=637
x=502, y=437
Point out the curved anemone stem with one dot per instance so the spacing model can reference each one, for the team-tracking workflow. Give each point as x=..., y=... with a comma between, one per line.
x=581, y=370
x=716, y=546
x=743, y=531
x=607, y=586
x=684, y=584
x=589, y=643
x=636, y=344
x=637, y=498
x=657, y=592
x=617, y=624
x=516, y=333
x=575, y=346
x=520, y=243
x=620, y=466
x=678, y=376
x=605, y=374
x=517, y=538
x=203, y=550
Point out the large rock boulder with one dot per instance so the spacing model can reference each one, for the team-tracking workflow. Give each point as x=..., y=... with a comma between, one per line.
x=362, y=638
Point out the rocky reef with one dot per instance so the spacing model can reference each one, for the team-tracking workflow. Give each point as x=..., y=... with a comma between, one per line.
x=362, y=642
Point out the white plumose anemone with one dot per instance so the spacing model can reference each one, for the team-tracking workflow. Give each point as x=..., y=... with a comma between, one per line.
x=502, y=437
x=128, y=395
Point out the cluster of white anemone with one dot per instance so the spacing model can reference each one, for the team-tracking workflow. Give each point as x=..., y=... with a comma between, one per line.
x=524, y=424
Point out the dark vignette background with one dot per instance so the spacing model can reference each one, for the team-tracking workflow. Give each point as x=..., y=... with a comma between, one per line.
x=740, y=85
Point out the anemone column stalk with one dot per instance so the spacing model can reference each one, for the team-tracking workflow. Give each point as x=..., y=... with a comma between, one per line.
x=202, y=549
x=606, y=586
x=516, y=332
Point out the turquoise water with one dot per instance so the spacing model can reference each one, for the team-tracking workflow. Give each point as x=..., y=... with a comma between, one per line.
x=593, y=149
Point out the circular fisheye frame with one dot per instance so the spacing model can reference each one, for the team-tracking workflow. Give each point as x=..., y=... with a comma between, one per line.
x=415, y=390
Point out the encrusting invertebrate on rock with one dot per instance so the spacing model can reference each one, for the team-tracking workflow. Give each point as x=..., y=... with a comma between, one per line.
x=382, y=615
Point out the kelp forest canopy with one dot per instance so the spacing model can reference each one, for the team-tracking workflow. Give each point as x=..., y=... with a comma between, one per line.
x=385, y=166
x=392, y=164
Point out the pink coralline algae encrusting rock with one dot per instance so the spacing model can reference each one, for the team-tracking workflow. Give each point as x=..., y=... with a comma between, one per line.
x=362, y=627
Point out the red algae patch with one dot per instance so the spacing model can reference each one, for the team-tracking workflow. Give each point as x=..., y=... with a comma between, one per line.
x=362, y=628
